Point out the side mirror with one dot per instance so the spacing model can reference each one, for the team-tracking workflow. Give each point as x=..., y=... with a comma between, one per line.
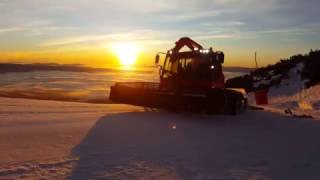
x=157, y=59
x=160, y=70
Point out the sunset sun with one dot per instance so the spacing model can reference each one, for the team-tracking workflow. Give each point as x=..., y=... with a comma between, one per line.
x=126, y=52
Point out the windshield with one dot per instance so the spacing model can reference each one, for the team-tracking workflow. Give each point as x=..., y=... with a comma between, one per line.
x=199, y=66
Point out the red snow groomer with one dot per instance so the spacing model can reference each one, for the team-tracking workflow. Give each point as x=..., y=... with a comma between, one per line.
x=189, y=81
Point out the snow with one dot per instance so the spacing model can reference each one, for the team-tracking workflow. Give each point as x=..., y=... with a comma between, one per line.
x=64, y=140
x=291, y=93
x=290, y=85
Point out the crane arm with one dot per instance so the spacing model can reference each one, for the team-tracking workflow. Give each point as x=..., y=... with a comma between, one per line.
x=185, y=41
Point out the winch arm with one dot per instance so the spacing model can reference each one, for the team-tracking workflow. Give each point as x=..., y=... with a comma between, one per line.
x=185, y=41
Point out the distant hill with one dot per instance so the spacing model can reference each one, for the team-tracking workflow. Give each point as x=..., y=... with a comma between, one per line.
x=15, y=67
x=237, y=69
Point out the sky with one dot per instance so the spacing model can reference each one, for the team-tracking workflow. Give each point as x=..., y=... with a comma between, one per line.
x=84, y=31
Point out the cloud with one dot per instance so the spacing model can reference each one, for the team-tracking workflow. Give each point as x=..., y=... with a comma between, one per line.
x=145, y=36
x=53, y=24
x=12, y=29
x=35, y=27
x=82, y=39
x=219, y=36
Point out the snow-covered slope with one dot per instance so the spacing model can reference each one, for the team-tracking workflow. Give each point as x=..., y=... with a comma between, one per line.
x=62, y=140
x=291, y=93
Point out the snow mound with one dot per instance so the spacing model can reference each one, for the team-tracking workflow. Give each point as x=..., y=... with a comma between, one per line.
x=290, y=84
x=291, y=94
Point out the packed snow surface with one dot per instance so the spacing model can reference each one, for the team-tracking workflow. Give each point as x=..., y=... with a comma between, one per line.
x=62, y=140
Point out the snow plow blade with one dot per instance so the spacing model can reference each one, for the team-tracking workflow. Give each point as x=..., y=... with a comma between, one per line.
x=148, y=94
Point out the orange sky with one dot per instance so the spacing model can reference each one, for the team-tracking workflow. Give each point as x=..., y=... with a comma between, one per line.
x=103, y=57
x=84, y=31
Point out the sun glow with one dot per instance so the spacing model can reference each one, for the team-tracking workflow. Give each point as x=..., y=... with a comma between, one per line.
x=126, y=52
